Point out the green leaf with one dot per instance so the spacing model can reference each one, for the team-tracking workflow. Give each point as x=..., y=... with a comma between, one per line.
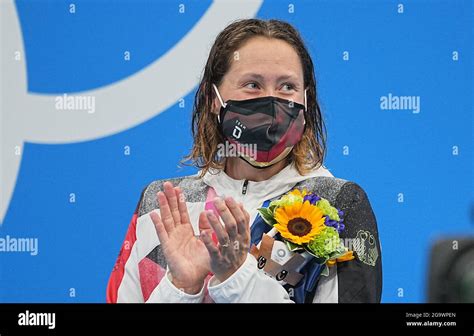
x=325, y=271
x=339, y=252
x=319, y=260
x=293, y=247
x=336, y=255
x=307, y=249
x=267, y=216
x=272, y=208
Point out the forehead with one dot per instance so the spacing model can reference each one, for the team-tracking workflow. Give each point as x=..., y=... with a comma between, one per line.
x=267, y=56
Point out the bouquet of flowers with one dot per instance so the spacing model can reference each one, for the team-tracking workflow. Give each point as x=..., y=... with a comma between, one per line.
x=308, y=223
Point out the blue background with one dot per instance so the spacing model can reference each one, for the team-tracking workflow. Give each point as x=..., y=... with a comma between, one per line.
x=391, y=151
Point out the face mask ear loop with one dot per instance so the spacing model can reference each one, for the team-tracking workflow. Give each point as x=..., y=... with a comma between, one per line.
x=305, y=104
x=219, y=96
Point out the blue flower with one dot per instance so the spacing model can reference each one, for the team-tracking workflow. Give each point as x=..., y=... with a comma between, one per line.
x=312, y=198
x=338, y=225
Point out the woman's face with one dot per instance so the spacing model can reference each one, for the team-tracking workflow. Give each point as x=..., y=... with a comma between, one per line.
x=263, y=67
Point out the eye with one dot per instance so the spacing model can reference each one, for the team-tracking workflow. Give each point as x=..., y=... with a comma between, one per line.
x=251, y=85
x=288, y=87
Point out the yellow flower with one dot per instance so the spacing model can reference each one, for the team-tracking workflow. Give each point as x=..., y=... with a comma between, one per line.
x=299, y=222
x=349, y=255
x=298, y=193
x=294, y=196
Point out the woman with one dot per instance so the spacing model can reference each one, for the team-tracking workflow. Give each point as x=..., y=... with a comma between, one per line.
x=258, y=133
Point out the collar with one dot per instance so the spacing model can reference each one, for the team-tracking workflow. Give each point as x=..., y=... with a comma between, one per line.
x=279, y=183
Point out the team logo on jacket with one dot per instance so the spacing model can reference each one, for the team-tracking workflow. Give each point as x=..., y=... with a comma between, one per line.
x=366, y=247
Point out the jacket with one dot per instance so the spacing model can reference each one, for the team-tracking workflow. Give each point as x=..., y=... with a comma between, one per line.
x=140, y=273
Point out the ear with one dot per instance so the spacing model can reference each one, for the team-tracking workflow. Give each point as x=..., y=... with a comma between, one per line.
x=216, y=105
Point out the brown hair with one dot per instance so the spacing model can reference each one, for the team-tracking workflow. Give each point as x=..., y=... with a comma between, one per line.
x=310, y=150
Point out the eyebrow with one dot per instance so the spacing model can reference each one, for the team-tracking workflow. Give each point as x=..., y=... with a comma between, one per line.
x=261, y=78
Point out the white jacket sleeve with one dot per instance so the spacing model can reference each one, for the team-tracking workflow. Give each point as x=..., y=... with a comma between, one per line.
x=129, y=290
x=166, y=292
x=248, y=285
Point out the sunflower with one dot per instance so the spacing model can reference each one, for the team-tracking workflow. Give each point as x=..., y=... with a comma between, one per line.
x=299, y=222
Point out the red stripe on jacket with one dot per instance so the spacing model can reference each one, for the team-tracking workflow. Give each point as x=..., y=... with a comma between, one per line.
x=119, y=269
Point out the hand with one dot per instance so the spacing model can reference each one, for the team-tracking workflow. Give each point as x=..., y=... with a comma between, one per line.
x=186, y=255
x=234, y=238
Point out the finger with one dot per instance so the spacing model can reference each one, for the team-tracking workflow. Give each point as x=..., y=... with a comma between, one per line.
x=216, y=225
x=205, y=225
x=165, y=212
x=204, y=222
x=182, y=207
x=246, y=214
x=160, y=228
x=172, y=201
x=227, y=217
x=210, y=245
x=239, y=217
x=246, y=233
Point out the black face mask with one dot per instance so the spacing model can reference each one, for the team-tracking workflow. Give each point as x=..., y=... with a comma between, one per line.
x=262, y=130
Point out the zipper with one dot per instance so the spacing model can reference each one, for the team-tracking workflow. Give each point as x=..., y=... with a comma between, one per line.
x=244, y=187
